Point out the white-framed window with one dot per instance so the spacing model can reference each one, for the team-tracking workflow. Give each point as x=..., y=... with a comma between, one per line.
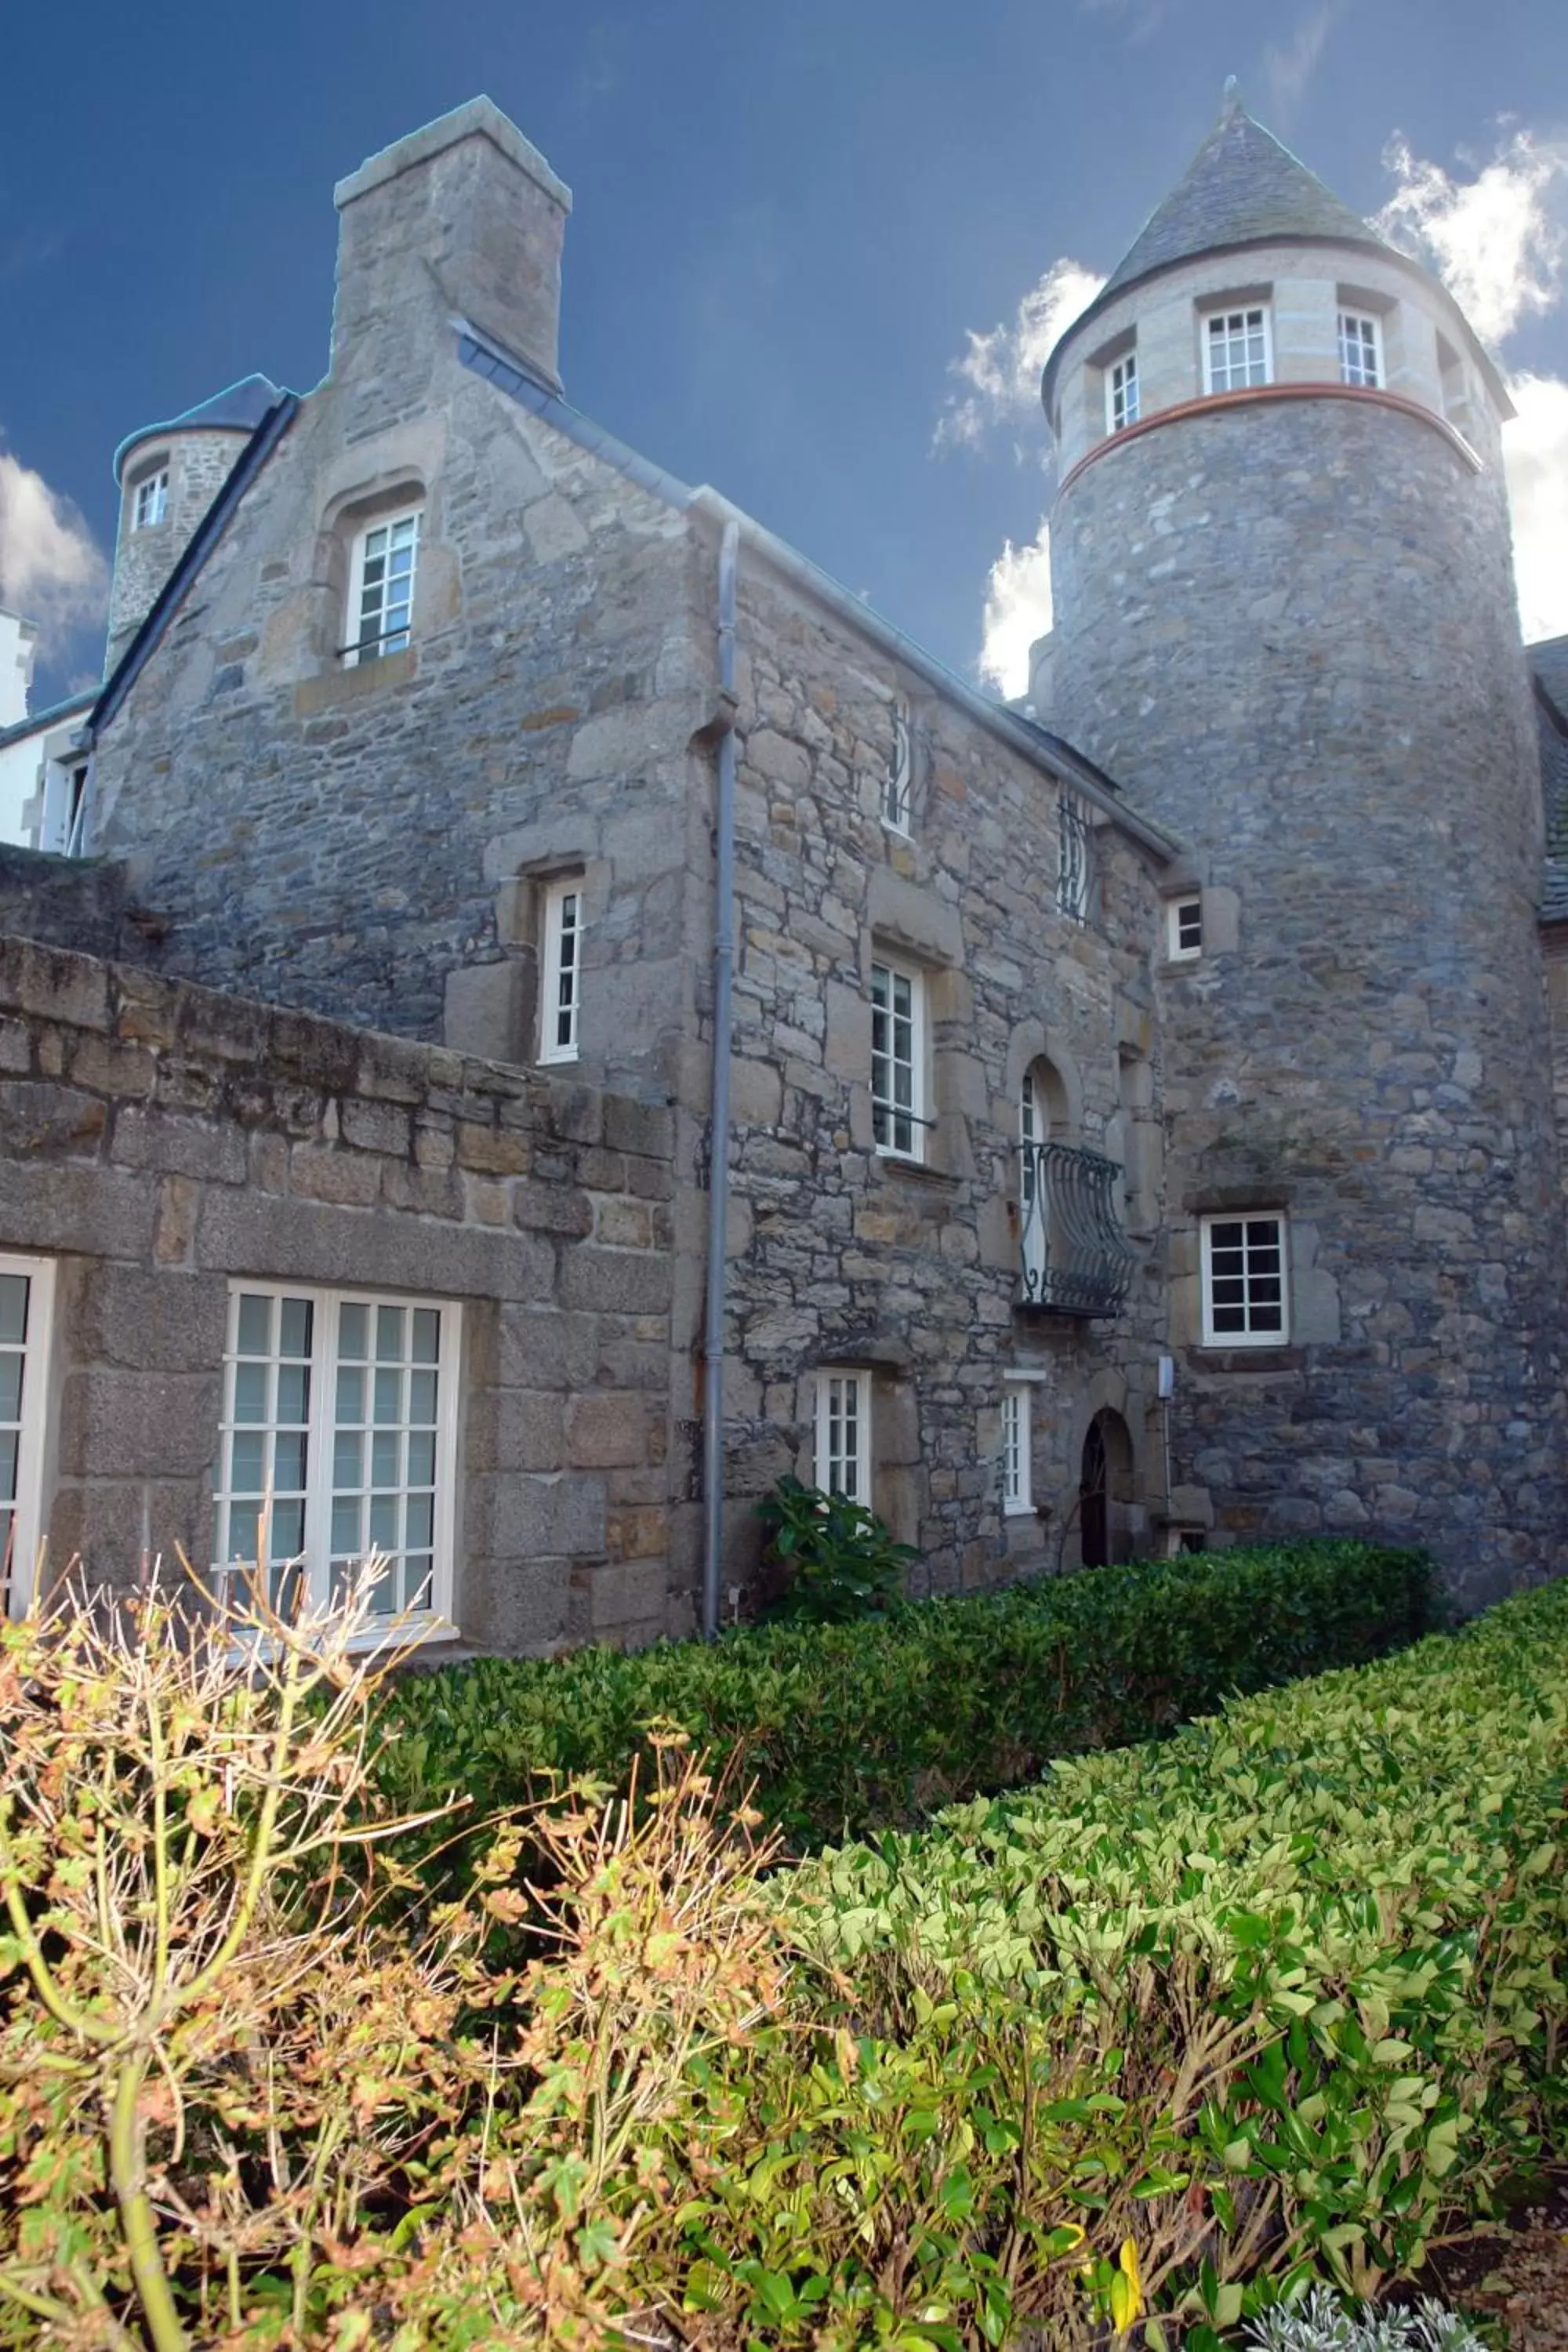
x=561, y=970
x=151, y=503
x=339, y=1433
x=1360, y=348
x=1184, y=929
x=26, y=1305
x=898, y=1060
x=1121, y=393
x=1245, y=1303
x=1237, y=349
x=844, y=1433
x=897, y=777
x=61, y=824
x=1017, y=1492
x=1032, y=1206
x=1072, y=857
x=381, y=594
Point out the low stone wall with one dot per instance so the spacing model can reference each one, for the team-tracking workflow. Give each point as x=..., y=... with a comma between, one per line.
x=77, y=902
x=157, y=1139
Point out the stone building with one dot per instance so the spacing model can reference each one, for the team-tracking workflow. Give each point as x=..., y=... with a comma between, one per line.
x=568, y=1015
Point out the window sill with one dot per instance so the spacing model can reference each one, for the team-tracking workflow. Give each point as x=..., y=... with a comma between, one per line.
x=360, y=681
x=1019, y=1511
x=919, y=1171
x=1215, y=1356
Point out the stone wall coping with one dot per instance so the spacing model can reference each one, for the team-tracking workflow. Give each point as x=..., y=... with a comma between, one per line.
x=478, y=118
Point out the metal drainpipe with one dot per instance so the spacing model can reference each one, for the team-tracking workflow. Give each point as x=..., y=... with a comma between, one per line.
x=719, y=1143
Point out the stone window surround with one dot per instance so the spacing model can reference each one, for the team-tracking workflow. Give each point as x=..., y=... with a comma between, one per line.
x=435, y=1623
x=830, y=1452
x=348, y=516
x=1185, y=926
x=32, y=1427
x=553, y=967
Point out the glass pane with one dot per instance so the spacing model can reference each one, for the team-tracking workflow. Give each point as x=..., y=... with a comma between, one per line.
x=427, y=1338
x=422, y=1458
x=385, y=1458
x=384, y=1593
x=1225, y=1236
x=289, y=1462
x=293, y=1393
x=288, y=1526
x=353, y=1332
x=250, y=1393
x=294, y=1317
x=10, y=1386
x=422, y=1400
x=389, y=1335
x=253, y=1326
x=247, y=1461
x=421, y=1524
x=351, y=1395
x=388, y=1396
x=13, y=1308
x=384, y=1529
x=1230, y=1318
x=348, y=1458
x=347, y=1524
x=1266, y=1318
x=242, y=1535
x=8, y=1445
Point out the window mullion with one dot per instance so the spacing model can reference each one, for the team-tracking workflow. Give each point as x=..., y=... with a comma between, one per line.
x=319, y=1444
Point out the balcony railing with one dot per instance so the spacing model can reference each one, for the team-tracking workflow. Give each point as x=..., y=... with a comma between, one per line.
x=1074, y=1257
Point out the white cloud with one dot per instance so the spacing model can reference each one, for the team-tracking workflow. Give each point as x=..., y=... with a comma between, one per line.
x=1017, y=611
x=1288, y=66
x=1535, y=451
x=1498, y=241
x=51, y=568
x=1001, y=371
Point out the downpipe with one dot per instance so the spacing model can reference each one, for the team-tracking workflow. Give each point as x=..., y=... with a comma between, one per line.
x=718, y=1130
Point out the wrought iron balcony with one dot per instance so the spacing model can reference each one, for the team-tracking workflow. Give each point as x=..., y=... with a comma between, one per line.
x=1074, y=1257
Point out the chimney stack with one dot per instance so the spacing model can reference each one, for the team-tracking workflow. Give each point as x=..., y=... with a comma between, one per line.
x=465, y=216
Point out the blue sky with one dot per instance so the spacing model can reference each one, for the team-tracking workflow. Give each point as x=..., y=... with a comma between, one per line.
x=787, y=223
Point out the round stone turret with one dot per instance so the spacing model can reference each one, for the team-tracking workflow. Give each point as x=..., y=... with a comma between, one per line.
x=168, y=476
x=1286, y=622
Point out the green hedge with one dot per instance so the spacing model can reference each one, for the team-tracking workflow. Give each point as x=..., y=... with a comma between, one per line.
x=845, y=1728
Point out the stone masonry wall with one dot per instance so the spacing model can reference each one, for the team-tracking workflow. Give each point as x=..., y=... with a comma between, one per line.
x=840, y=1257
x=1289, y=632
x=157, y=1140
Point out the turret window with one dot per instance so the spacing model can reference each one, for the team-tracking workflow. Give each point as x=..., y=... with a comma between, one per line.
x=152, y=502
x=381, y=599
x=1361, y=350
x=1237, y=349
x=1121, y=393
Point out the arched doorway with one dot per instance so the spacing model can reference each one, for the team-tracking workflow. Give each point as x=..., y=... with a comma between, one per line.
x=1104, y=1490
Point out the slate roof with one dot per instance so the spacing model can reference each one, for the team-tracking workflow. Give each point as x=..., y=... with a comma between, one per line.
x=238, y=408
x=1548, y=665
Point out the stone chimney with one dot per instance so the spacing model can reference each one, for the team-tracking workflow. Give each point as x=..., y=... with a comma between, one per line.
x=464, y=217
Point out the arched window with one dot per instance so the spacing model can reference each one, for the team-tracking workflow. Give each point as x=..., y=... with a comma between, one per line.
x=1074, y=1257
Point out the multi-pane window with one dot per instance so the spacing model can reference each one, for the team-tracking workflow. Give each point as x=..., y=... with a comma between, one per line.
x=380, y=604
x=898, y=776
x=844, y=1435
x=1185, y=929
x=26, y=1290
x=340, y=1412
x=1072, y=857
x=898, y=1060
x=1121, y=393
x=1244, y=1281
x=1031, y=1192
x=1235, y=350
x=1016, y=1488
x=561, y=972
x=152, y=502
x=1361, y=358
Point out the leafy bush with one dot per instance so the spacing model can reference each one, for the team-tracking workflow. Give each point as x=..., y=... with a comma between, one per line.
x=836, y=1558
x=847, y=1727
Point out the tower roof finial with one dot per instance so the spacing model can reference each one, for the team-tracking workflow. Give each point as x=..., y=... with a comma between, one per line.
x=1230, y=102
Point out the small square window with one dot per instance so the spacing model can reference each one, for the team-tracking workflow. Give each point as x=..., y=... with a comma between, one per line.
x=1016, y=1494
x=1184, y=929
x=1237, y=349
x=26, y=1298
x=561, y=970
x=152, y=502
x=844, y=1435
x=897, y=1061
x=1361, y=349
x=381, y=599
x=339, y=1441
x=1121, y=394
x=1244, y=1279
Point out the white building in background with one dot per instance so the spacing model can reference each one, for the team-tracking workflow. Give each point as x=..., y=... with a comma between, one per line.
x=42, y=774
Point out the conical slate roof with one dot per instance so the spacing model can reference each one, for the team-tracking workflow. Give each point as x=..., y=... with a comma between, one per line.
x=1242, y=188
x=238, y=408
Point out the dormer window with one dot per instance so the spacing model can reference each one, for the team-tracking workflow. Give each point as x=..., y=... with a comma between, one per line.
x=1121, y=393
x=151, y=504
x=1237, y=349
x=1361, y=349
x=381, y=595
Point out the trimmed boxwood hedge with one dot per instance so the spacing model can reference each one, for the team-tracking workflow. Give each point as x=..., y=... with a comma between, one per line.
x=847, y=1728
